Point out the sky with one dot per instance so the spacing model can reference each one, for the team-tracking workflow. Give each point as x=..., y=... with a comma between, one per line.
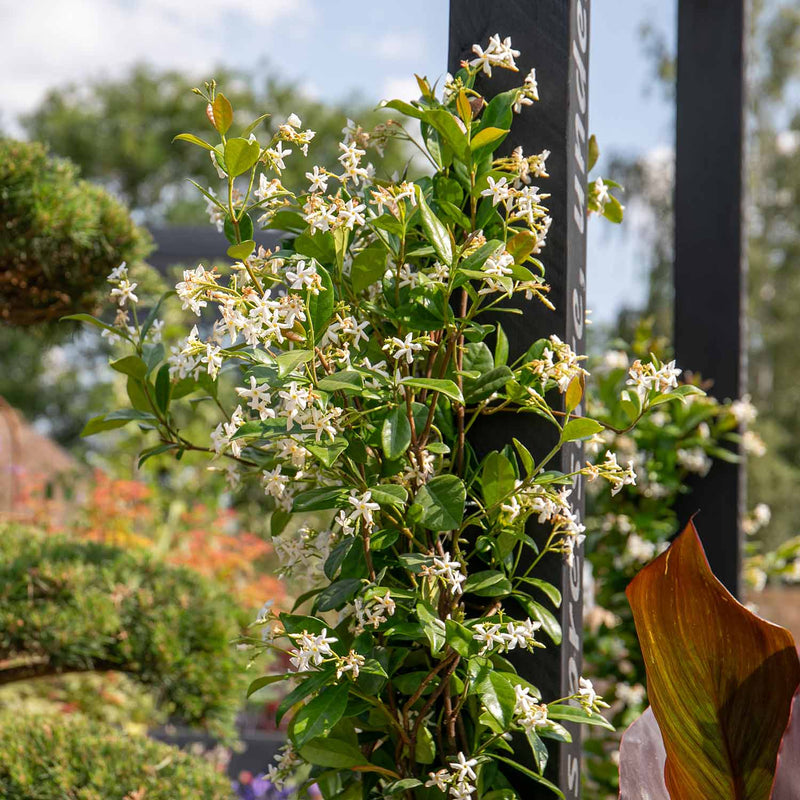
x=335, y=49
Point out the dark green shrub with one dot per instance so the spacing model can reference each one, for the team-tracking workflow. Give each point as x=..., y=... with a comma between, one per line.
x=59, y=236
x=45, y=757
x=68, y=606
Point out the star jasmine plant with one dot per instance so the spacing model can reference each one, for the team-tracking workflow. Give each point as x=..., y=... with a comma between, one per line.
x=348, y=365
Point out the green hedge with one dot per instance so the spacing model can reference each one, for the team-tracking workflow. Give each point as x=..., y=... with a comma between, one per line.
x=69, y=606
x=59, y=236
x=74, y=758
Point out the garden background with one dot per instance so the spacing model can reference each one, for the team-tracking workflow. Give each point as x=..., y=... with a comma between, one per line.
x=94, y=81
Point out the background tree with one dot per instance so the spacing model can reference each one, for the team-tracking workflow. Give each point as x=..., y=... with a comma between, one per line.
x=120, y=131
x=773, y=246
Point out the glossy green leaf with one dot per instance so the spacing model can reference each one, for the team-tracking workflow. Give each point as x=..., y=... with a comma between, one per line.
x=396, y=433
x=98, y=323
x=243, y=250
x=442, y=500
x=580, y=428
x=288, y=362
x=432, y=627
x=447, y=127
x=190, y=137
x=240, y=155
x=344, y=381
x=720, y=679
x=330, y=752
x=443, y=386
x=487, y=137
x=320, y=306
x=497, y=479
x=318, y=717
x=130, y=365
x=488, y=583
x=221, y=113
x=436, y=232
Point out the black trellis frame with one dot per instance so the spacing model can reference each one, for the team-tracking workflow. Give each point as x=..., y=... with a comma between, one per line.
x=553, y=36
x=710, y=264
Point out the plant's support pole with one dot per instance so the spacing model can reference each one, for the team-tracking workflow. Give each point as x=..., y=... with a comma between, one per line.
x=553, y=37
x=710, y=263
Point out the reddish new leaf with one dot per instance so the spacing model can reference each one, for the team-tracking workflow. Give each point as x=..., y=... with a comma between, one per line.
x=787, y=771
x=720, y=679
x=641, y=761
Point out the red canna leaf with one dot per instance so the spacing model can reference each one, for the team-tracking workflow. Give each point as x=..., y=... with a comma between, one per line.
x=720, y=679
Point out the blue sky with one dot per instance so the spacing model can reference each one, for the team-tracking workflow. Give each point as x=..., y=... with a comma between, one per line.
x=336, y=48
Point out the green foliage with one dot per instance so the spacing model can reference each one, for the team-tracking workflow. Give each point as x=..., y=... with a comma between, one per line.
x=60, y=236
x=361, y=353
x=69, y=606
x=52, y=757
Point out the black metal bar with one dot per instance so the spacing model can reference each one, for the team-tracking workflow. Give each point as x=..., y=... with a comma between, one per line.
x=553, y=36
x=709, y=253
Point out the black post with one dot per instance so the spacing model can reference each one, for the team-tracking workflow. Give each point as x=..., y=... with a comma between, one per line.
x=553, y=37
x=709, y=254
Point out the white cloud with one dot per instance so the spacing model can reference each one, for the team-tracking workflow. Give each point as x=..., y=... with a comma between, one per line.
x=50, y=42
x=400, y=88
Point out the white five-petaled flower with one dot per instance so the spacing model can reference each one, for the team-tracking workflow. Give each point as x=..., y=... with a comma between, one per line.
x=123, y=292
x=403, y=348
x=318, y=179
x=363, y=506
x=302, y=276
x=463, y=768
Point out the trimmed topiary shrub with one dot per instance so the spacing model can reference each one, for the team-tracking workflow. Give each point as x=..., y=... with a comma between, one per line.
x=73, y=606
x=59, y=236
x=57, y=757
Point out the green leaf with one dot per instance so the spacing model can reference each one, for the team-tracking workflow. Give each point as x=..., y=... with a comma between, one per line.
x=253, y=125
x=490, y=382
x=163, y=388
x=368, y=267
x=245, y=229
x=98, y=323
x=395, y=787
x=116, y=419
x=318, y=717
x=436, y=232
x=530, y=774
x=337, y=594
x=328, y=453
x=240, y=252
x=487, y=136
x=494, y=689
x=498, y=113
x=310, y=685
x=580, y=428
x=318, y=246
x=720, y=679
x=553, y=594
x=345, y=381
x=221, y=113
x=388, y=494
x=432, y=627
x=442, y=500
x=396, y=433
x=334, y=753
x=320, y=306
x=594, y=153
x=525, y=456
x=425, y=750
x=403, y=108
x=497, y=478
x=320, y=499
x=538, y=749
x=130, y=365
x=445, y=124
x=488, y=583
x=550, y=625
x=501, y=347
x=613, y=210
x=579, y=715
x=459, y=637
x=146, y=455
x=288, y=362
x=190, y=137
x=240, y=155
x=267, y=680
x=446, y=387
